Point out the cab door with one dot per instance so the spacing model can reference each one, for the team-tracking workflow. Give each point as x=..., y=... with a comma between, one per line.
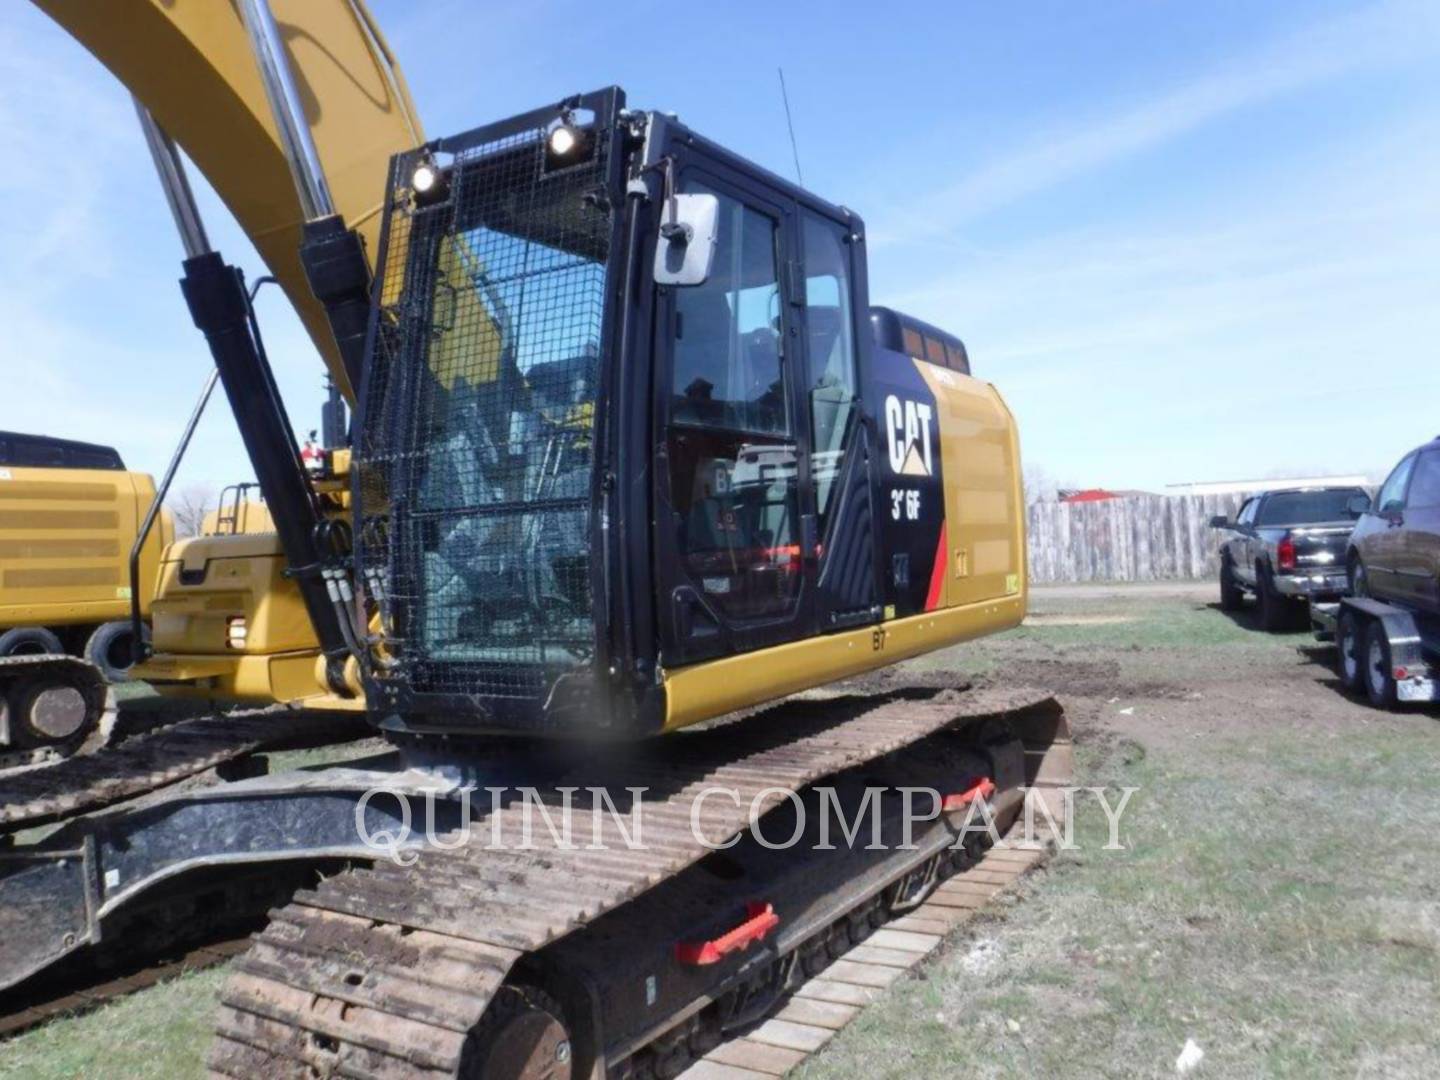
x=734, y=528
x=843, y=478
x=1418, y=540
x=1241, y=548
x=1380, y=540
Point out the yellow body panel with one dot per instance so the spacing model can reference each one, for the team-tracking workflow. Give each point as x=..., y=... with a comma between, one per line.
x=250, y=517
x=716, y=687
x=250, y=679
x=207, y=580
x=189, y=62
x=984, y=496
x=243, y=575
x=65, y=540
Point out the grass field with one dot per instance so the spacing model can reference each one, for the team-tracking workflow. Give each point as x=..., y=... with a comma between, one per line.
x=1276, y=900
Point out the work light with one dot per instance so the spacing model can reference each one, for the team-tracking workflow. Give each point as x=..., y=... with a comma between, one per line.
x=425, y=178
x=568, y=144
x=563, y=140
x=429, y=183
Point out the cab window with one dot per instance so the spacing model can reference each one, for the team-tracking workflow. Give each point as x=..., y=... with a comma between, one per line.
x=957, y=359
x=830, y=331
x=914, y=343
x=731, y=451
x=934, y=350
x=1392, y=493
x=86, y=458
x=727, y=338
x=1424, y=491
x=37, y=455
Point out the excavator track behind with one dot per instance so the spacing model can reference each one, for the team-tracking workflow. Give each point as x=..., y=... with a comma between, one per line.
x=51, y=706
x=150, y=762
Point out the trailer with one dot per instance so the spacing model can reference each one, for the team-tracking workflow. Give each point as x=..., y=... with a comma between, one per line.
x=1385, y=650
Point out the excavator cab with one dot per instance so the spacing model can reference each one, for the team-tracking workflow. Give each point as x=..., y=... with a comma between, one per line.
x=619, y=432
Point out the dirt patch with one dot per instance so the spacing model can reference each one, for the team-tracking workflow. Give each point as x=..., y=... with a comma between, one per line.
x=1077, y=678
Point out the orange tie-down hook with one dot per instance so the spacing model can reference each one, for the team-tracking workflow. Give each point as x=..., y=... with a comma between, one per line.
x=977, y=789
x=760, y=919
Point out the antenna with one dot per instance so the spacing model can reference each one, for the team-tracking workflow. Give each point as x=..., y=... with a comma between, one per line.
x=791, y=125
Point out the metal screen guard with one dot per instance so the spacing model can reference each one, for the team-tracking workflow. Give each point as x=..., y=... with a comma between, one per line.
x=476, y=452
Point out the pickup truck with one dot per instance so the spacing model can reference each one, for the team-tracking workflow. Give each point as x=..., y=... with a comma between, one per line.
x=1287, y=547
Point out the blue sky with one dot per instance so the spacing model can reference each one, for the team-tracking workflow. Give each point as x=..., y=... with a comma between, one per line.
x=1187, y=241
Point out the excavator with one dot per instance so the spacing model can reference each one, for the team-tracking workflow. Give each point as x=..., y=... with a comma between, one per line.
x=642, y=504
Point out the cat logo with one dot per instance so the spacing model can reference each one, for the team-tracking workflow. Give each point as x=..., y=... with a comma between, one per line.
x=908, y=427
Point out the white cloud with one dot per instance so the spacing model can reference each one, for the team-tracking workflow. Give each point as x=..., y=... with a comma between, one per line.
x=1291, y=318
x=1386, y=33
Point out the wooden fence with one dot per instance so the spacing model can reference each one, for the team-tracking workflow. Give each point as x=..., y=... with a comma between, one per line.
x=1138, y=538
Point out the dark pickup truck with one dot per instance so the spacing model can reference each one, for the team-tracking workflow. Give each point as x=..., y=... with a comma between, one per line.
x=1287, y=547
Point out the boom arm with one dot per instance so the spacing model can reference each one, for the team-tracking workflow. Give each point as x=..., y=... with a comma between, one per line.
x=190, y=63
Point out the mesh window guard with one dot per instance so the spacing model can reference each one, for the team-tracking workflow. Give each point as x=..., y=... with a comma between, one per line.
x=476, y=455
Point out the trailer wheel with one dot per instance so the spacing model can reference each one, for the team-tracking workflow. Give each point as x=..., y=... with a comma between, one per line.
x=30, y=641
x=1232, y=596
x=1379, y=673
x=1350, y=651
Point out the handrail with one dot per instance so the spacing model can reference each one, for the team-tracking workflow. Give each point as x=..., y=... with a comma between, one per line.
x=141, y=650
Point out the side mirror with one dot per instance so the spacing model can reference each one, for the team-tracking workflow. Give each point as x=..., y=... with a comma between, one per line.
x=1357, y=505
x=688, y=233
x=1219, y=521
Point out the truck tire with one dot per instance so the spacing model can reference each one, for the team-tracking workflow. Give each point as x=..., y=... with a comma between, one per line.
x=1350, y=651
x=30, y=641
x=1379, y=672
x=1275, y=611
x=1232, y=596
x=111, y=648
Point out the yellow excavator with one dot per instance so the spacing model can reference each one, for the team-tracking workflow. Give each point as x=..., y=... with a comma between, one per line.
x=633, y=456
x=70, y=513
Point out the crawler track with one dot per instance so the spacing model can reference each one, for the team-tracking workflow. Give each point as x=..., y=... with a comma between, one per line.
x=814, y=1013
x=830, y=999
x=388, y=971
x=156, y=760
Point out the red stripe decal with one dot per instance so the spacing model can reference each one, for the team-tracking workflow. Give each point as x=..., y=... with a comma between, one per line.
x=937, y=572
